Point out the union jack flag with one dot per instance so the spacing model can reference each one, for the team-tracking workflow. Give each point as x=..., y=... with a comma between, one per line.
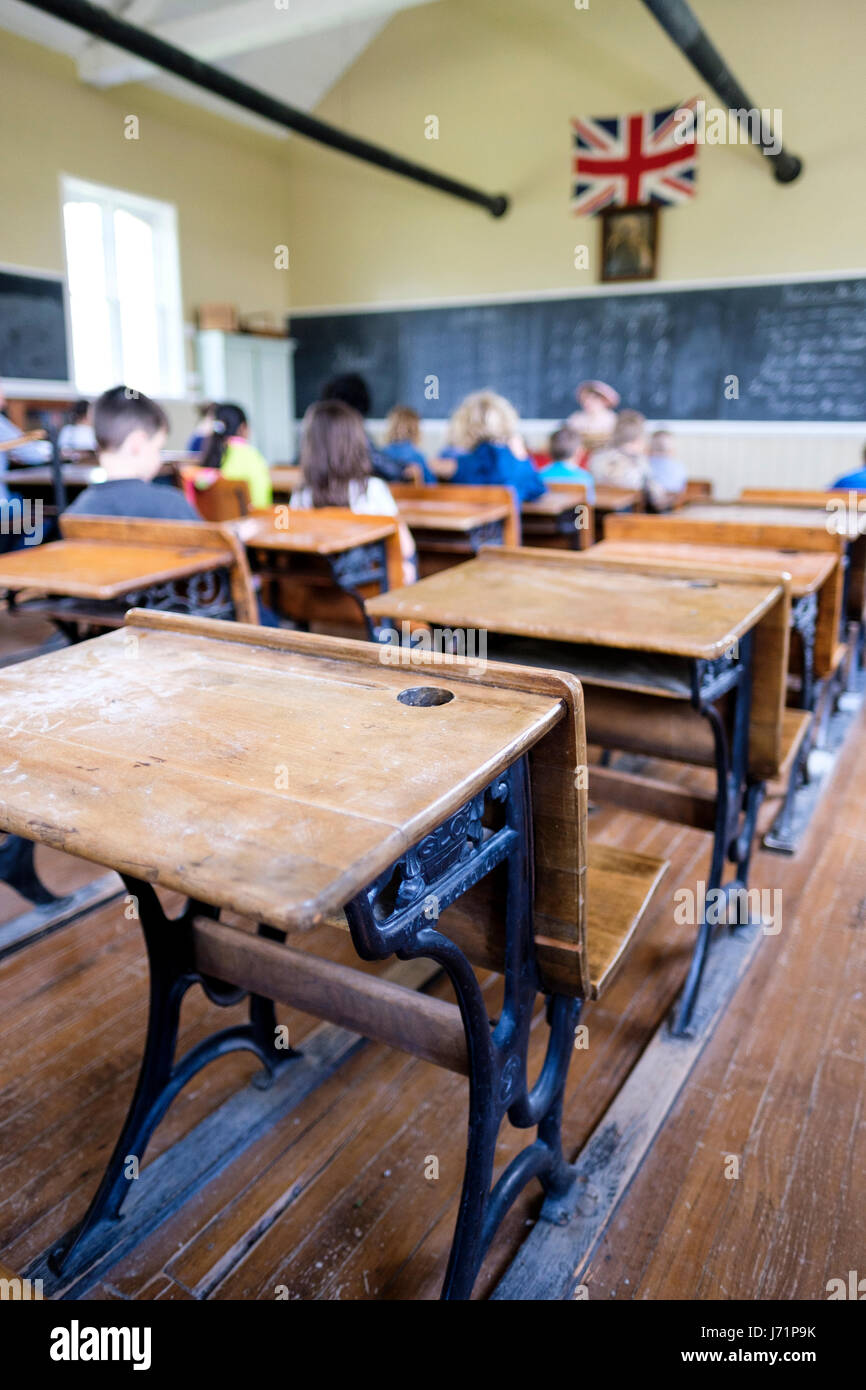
x=622, y=160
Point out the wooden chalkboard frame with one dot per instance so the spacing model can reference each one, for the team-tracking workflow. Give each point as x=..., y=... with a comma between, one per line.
x=40, y=388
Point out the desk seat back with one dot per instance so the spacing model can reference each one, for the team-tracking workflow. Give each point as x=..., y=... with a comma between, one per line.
x=483, y=494
x=750, y=534
x=226, y=499
x=796, y=497
x=770, y=658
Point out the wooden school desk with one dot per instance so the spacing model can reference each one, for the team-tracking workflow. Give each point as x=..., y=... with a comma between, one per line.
x=37, y=479
x=797, y=497
x=795, y=519
x=285, y=479
x=561, y=518
x=404, y=789
x=85, y=583
x=451, y=521
x=36, y=484
x=616, y=499
x=770, y=529
x=680, y=667
x=846, y=510
x=8, y=446
x=105, y=565
x=815, y=584
x=77, y=470
x=321, y=564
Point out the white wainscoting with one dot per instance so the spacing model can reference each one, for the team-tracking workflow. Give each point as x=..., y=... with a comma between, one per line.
x=732, y=457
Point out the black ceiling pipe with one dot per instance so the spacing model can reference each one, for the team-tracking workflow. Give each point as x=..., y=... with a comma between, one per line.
x=683, y=26
x=93, y=19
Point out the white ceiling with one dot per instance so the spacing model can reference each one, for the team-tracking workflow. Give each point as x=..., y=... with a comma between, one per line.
x=295, y=50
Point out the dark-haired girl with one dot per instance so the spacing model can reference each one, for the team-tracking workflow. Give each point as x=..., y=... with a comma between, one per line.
x=229, y=451
x=335, y=462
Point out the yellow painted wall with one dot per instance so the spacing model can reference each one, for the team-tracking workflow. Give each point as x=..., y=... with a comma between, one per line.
x=227, y=182
x=504, y=77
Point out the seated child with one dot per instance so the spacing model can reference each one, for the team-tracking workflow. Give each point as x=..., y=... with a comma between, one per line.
x=596, y=418
x=130, y=430
x=228, y=451
x=668, y=473
x=336, y=468
x=77, y=434
x=625, y=463
x=565, y=449
x=352, y=390
x=402, y=434
x=857, y=479
x=27, y=453
x=485, y=433
x=199, y=436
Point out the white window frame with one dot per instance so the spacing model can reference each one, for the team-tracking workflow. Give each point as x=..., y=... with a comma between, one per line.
x=162, y=218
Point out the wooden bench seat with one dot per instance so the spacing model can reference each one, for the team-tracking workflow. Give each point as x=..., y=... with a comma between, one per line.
x=652, y=673
x=796, y=724
x=840, y=653
x=223, y=499
x=619, y=886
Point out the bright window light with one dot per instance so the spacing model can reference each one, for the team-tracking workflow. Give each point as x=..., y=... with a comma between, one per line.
x=124, y=290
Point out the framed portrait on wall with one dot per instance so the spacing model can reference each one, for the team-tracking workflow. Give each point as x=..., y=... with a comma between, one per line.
x=629, y=243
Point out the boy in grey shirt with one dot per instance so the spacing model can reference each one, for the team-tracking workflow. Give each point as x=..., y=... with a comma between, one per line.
x=130, y=431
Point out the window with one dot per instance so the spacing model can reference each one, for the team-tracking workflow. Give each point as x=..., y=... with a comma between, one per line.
x=124, y=290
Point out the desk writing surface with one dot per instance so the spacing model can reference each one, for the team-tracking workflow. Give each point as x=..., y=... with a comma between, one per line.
x=562, y=498
x=430, y=514
x=808, y=569
x=835, y=521
x=247, y=770
x=318, y=531
x=74, y=475
x=554, y=597
x=616, y=499
x=286, y=477
x=97, y=569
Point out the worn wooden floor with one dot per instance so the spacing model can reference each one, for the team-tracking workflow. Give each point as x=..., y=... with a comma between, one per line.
x=333, y=1201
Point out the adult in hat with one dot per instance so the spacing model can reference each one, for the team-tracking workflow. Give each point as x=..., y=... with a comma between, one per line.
x=596, y=419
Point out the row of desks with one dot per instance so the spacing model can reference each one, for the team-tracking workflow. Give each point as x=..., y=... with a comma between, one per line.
x=685, y=667
x=408, y=784
x=795, y=540
x=443, y=518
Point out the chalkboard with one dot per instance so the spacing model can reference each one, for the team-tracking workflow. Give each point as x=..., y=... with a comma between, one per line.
x=796, y=349
x=32, y=328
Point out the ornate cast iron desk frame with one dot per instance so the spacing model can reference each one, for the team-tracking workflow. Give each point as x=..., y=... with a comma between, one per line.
x=396, y=915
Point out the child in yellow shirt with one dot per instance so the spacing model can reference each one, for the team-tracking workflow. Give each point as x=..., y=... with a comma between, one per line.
x=229, y=451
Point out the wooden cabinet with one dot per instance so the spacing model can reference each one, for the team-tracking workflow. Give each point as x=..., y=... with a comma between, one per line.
x=256, y=373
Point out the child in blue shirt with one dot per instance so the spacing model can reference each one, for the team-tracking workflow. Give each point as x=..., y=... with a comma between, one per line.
x=402, y=436
x=667, y=471
x=856, y=479
x=565, y=448
x=485, y=432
